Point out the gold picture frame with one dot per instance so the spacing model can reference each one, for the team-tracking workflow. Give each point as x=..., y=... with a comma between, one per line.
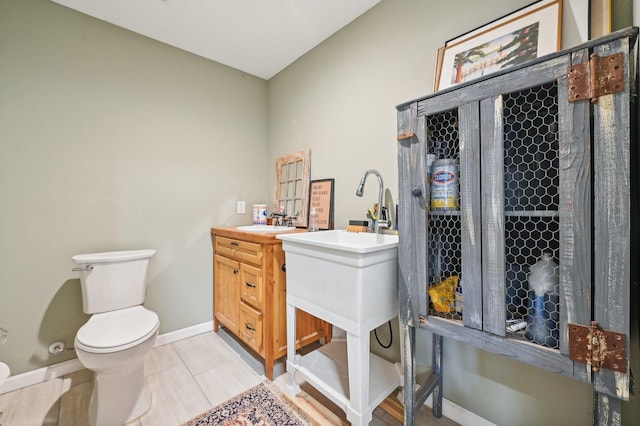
x=525, y=34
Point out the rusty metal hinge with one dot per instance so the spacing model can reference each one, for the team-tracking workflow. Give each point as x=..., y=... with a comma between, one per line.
x=598, y=77
x=597, y=347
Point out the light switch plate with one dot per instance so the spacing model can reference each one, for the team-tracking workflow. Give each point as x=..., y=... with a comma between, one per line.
x=240, y=208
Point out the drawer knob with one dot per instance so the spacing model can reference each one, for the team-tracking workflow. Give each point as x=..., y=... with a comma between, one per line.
x=248, y=284
x=248, y=327
x=284, y=267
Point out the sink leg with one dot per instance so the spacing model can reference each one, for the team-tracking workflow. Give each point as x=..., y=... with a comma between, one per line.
x=358, y=411
x=292, y=386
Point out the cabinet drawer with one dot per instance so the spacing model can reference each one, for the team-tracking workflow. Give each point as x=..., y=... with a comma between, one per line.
x=251, y=288
x=239, y=250
x=251, y=327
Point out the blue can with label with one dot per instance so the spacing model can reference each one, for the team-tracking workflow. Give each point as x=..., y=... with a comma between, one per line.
x=445, y=194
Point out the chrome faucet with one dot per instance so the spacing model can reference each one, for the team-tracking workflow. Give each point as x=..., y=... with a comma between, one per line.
x=380, y=223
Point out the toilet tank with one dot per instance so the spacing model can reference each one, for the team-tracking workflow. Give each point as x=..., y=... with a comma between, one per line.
x=112, y=280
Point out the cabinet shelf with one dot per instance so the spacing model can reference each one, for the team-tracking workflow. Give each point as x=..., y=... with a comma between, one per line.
x=512, y=347
x=326, y=369
x=511, y=213
x=444, y=213
x=531, y=213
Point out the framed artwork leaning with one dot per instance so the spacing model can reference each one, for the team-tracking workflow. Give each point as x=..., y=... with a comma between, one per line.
x=321, y=199
x=521, y=36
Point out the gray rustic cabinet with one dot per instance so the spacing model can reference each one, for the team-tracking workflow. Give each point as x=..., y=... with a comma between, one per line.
x=530, y=253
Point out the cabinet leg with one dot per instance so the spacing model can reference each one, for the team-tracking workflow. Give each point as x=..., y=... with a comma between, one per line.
x=437, y=369
x=216, y=325
x=268, y=367
x=327, y=330
x=607, y=410
x=409, y=392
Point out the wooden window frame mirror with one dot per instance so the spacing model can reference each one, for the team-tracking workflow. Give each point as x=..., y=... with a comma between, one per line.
x=293, y=173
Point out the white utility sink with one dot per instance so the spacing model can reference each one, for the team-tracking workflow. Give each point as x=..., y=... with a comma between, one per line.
x=266, y=228
x=356, y=242
x=350, y=280
x=351, y=277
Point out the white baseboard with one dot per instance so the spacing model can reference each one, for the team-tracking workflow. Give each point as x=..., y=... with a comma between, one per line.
x=184, y=333
x=455, y=412
x=459, y=414
x=71, y=366
x=41, y=375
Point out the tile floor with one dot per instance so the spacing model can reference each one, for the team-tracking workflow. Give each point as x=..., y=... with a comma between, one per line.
x=186, y=378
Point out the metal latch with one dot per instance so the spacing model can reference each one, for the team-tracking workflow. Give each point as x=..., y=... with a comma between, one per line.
x=598, y=77
x=597, y=347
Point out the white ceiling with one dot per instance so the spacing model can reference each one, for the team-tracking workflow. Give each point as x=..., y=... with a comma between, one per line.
x=259, y=37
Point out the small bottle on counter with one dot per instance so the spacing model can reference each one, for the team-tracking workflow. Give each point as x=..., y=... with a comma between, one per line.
x=313, y=220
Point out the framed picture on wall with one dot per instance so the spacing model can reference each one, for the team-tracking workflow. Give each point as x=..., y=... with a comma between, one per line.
x=321, y=198
x=521, y=36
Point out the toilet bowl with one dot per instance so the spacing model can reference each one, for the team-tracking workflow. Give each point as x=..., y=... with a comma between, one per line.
x=119, y=334
x=113, y=345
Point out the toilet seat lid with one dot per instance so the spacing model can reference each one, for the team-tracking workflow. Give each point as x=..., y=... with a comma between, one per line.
x=115, y=329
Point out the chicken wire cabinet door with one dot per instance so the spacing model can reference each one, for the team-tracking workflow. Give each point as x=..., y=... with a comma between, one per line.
x=521, y=248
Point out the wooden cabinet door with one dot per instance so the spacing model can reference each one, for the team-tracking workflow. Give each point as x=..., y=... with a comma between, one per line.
x=227, y=292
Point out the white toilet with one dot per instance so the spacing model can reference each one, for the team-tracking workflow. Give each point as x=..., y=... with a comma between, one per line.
x=119, y=334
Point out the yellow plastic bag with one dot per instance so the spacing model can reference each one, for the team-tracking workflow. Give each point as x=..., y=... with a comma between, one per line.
x=443, y=294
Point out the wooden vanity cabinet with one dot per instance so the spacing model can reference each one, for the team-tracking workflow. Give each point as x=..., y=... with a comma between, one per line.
x=250, y=295
x=548, y=167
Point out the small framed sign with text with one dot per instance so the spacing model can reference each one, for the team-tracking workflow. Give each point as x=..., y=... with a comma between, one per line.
x=321, y=198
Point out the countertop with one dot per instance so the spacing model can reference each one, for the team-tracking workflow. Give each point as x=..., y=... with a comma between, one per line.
x=257, y=237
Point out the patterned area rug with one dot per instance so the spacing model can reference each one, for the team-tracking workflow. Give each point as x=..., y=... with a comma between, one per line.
x=259, y=406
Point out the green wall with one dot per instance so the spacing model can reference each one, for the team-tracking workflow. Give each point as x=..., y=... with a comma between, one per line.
x=112, y=141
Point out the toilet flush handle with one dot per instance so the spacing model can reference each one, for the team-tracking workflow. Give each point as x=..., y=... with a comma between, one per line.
x=83, y=269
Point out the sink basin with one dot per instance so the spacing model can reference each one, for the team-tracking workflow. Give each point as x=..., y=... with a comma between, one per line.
x=266, y=228
x=350, y=277
x=355, y=242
